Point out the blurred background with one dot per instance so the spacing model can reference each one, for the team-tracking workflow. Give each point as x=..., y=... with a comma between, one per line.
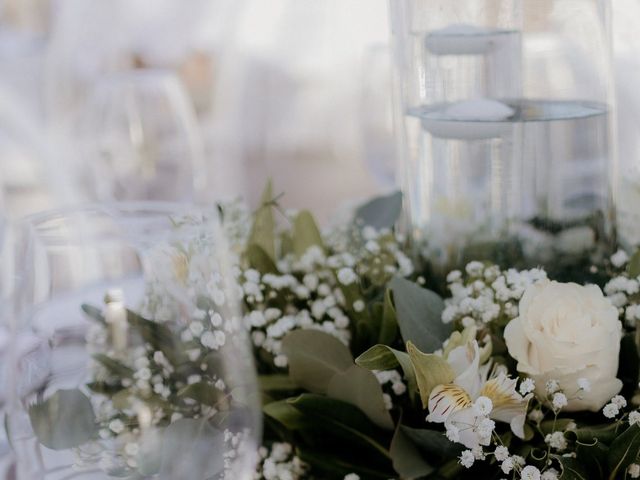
x=206, y=99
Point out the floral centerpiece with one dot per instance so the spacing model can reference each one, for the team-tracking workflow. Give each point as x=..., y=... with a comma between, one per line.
x=367, y=372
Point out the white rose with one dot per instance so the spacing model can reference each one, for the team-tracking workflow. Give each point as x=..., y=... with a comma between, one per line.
x=565, y=332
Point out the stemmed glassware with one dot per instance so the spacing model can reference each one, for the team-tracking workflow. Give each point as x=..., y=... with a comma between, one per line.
x=139, y=139
x=129, y=359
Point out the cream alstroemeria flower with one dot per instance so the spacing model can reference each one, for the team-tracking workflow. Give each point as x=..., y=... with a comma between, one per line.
x=453, y=403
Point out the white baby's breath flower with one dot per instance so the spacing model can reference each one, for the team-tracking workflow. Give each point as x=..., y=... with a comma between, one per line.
x=619, y=401
x=619, y=258
x=346, y=276
x=485, y=428
x=507, y=465
x=527, y=386
x=351, y=476
x=116, y=426
x=530, y=473
x=559, y=400
x=556, y=440
x=634, y=470
x=454, y=276
x=552, y=386
x=634, y=418
x=453, y=433
x=358, y=306
x=501, y=453
x=610, y=410
x=474, y=268
x=467, y=459
x=550, y=474
x=483, y=406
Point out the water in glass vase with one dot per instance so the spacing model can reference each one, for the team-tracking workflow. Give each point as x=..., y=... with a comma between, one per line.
x=518, y=181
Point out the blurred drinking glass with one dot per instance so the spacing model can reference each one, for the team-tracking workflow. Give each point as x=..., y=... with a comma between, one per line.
x=139, y=139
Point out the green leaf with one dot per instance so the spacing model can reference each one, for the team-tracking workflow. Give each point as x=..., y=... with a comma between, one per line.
x=430, y=370
x=264, y=225
x=114, y=367
x=64, y=420
x=202, y=392
x=283, y=412
x=594, y=457
x=605, y=433
x=419, y=314
x=341, y=419
x=260, y=260
x=406, y=458
x=314, y=358
x=191, y=449
x=360, y=388
x=434, y=443
x=633, y=268
x=305, y=233
x=158, y=335
x=332, y=466
x=572, y=469
x=94, y=313
x=277, y=382
x=381, y=212
x=381, y=357
x=624, y=450
x=389, y=325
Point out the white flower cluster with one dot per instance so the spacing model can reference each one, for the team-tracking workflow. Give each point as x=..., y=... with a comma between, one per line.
x=319, y=290
x=623, y=292
x=393, y=379
x=279, y=463
x=484, y=293
x=614, y=407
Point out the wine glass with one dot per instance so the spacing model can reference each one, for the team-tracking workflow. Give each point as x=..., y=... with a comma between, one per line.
x=139, y=139
x=129, y=358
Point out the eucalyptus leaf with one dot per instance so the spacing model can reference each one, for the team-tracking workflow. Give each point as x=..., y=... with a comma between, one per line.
x=572, y=469
x=624, y=450
x=264, y=225
x=333, y=466
x=94, y=313
x=202, y=392
x=389, y=325
x=305, y=233
x=64, y=420
x=430, y=370
x=114, y=367
x=382, y=357
x=283, y=412
x=191, y=448
x=434, y=443
x=314, y=358
x=381, y=212
x=158, y=335
x=360, y=388
x=633, y=268
x=260, y=260
x=277, y=382
x=406, y=458
x=335, y=417
x=419, y=313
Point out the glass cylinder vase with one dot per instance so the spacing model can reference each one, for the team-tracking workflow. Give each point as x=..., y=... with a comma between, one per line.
x=504, y=127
